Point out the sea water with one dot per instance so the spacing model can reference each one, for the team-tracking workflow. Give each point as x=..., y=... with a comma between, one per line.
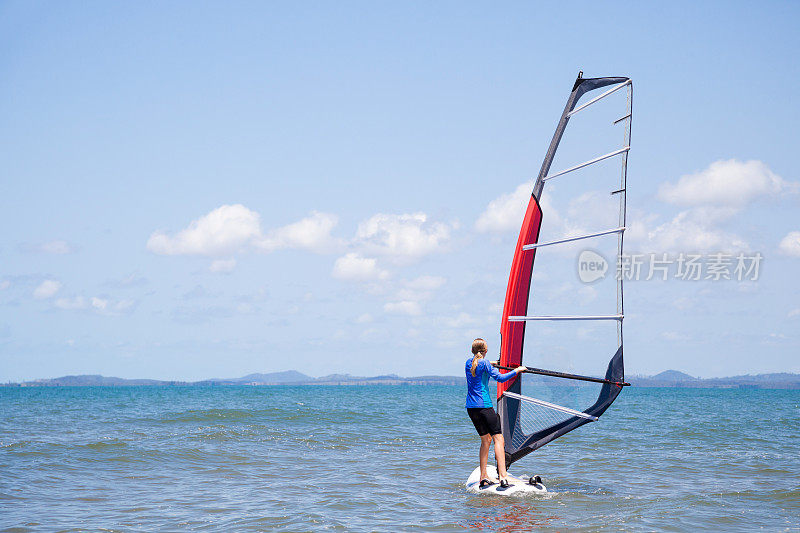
x=385, y=458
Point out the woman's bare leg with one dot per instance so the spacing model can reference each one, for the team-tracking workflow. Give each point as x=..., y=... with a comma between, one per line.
x=500, y=455
x=486, y=440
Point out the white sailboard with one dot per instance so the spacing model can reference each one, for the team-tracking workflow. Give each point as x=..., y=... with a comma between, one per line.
x=516, y=485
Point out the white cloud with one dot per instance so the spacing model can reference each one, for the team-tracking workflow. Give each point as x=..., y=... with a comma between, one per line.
x=56, y=247
x=47, y=289
x=774, y=338
x=449, y=338
x=372, y=334
x=426, y=283
x=232, y=228
x=354, y=267
x=119, y=306
x=505, y=212
x=418, y=289
x=402, y=236
x=403, y=308
x=245, y=308
x=540, y=274
x=790, y=245
x=312, y=233
x=102, y=306
x=587, y=294
x=793, y=313
x=401, y=296
x=410, y=294
x=223, y=231
x=4, y=284
x=726, y=183
x=364, y=319
x=695, y=229
x=580, y=294
x=683, y=303
x=691, y=230
x=78, y=302
x=591, y=211
x=637, y=227
x=222, y=265
x=458, y=321
x=714, y=197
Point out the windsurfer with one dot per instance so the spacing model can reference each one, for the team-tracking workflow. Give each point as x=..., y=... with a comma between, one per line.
x=481, y=411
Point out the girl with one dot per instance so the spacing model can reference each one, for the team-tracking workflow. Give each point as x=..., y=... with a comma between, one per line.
x=480, y=410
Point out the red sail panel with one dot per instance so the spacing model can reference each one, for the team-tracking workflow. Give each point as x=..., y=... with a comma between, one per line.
x=512, y=334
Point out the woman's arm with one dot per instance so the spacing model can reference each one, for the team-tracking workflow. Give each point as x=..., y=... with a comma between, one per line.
x=497, y=376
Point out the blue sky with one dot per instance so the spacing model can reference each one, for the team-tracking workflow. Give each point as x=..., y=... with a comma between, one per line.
x=198, y=190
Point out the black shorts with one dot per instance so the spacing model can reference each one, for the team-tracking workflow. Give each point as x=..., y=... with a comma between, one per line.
x=485, y=419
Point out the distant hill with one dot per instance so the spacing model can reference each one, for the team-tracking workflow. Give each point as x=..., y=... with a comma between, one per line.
x=96, y=381
x=669, y=378
x=289, y=376
x=273, y=378
x=674, y=375
x=673, y=378
x=389, y=379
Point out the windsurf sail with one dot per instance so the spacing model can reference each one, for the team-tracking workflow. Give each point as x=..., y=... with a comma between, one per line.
x=528, y=422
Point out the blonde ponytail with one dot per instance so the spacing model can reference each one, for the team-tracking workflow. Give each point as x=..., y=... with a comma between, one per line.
x=479, y=349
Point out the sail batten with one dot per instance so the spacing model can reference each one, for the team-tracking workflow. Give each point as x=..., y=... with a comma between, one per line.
x=550, y=405
x=573, y=239
x=579, y=166
x=598, y=98
x=564, y=317
x=529, y=423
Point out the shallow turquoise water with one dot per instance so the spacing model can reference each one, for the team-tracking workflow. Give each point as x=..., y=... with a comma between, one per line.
x=385, y=458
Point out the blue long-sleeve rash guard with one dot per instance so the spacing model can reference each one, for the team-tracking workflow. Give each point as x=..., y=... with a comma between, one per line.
x=478, y=385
